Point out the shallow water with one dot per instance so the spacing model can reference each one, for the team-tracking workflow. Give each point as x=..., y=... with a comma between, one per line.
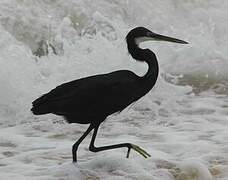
x=182, y=122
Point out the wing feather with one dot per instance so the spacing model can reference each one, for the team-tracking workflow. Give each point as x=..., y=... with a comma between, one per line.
x=105, y=94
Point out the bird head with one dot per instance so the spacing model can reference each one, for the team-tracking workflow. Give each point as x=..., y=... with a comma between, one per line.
x=141, y=34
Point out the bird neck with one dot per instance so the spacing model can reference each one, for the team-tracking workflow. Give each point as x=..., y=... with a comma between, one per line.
x=153, y=68
x=145, y=55
x=150, y=78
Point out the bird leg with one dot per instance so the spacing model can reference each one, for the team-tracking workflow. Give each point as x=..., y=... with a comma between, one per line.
x=139, y=150
x=128, y=145
x=75, y=146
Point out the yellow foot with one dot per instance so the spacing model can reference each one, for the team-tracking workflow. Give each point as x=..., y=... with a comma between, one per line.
x=139, y=150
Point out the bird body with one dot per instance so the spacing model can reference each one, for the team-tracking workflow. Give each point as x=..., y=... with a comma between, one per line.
x=91, y=99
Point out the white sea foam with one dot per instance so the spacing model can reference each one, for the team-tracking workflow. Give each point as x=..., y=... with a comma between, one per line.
x=182, y=122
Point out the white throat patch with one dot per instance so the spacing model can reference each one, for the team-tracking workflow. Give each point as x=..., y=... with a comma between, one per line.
x=143, y=39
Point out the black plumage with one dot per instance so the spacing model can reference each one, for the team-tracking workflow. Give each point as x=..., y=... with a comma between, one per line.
x=91, y=99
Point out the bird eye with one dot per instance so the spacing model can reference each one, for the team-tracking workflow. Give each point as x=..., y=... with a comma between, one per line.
x=148, y=34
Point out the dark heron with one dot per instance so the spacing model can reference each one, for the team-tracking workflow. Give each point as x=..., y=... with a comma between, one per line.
x=91, y=99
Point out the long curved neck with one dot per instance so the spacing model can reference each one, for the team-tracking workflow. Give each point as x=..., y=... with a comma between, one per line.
x=145, y=55
x=153, y=68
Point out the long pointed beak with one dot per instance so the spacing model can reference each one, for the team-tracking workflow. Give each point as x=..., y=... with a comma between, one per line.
x=158, y=37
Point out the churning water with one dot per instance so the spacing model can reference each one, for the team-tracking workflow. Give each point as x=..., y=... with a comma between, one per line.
x=182, y=122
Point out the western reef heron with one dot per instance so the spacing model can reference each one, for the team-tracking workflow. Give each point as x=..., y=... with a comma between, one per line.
x=91, y=99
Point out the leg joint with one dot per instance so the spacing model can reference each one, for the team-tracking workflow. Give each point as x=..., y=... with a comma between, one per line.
x=75, y=147
x=93, y=148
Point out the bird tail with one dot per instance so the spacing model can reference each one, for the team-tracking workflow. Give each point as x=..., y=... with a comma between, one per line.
x=39, y=110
